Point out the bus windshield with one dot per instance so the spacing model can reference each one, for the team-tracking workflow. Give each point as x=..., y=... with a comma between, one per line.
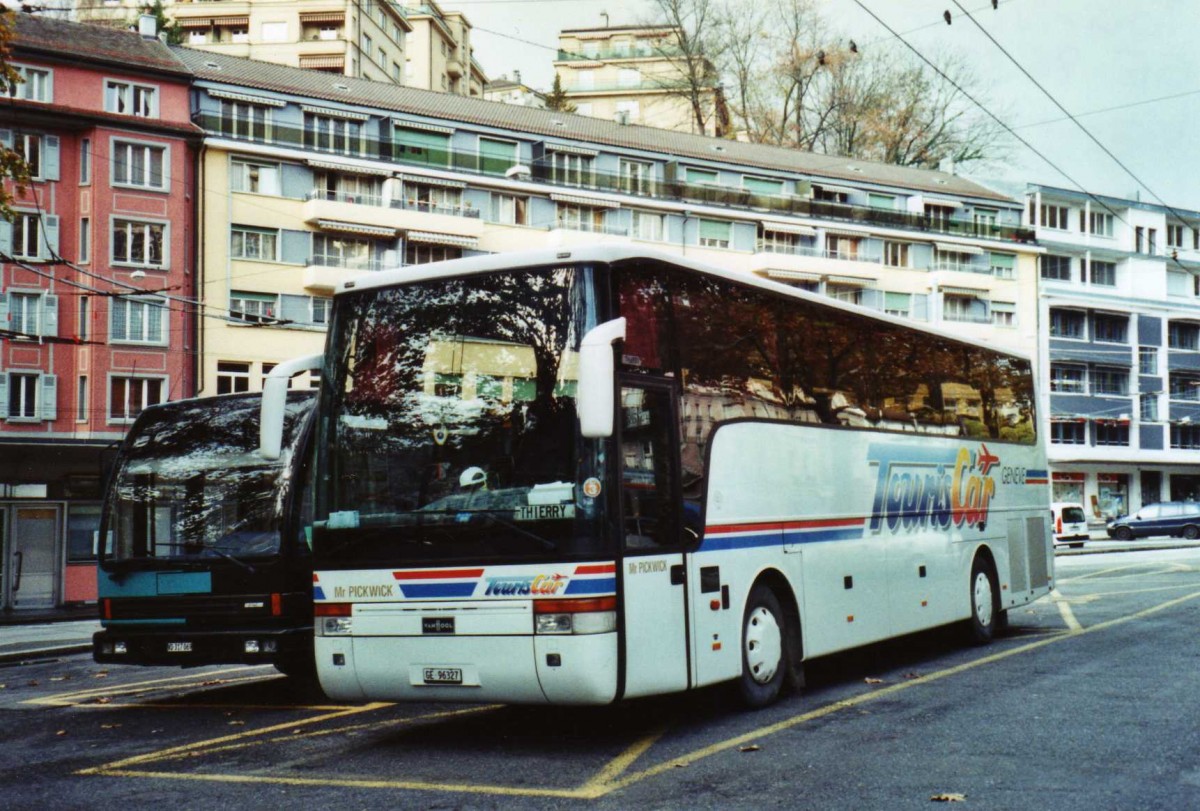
x=189, y=484
x=449, y=432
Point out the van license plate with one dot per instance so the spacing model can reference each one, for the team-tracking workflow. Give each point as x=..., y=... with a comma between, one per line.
x=443, y=675
x=179, y=647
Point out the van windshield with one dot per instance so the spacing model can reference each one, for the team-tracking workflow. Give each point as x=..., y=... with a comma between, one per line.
x=1073, y=515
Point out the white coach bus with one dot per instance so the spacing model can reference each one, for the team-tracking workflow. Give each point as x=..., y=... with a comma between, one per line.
x=603, y=473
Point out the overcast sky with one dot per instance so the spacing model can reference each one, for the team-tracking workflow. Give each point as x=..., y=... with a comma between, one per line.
x=1140, y=56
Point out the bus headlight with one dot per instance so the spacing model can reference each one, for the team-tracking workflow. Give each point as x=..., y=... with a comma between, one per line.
x=333, y=619
x=590, y=615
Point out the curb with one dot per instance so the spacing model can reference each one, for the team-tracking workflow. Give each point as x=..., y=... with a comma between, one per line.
x=34, y=654
x=1141, y=547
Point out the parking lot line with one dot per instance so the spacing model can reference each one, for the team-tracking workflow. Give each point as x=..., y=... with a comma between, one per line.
x=613, y=777
x=82, y=698
x=1065, y=610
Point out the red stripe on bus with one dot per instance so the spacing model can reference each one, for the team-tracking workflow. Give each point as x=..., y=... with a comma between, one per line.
x=822, y=523
x=597, y=568
x=437, y=574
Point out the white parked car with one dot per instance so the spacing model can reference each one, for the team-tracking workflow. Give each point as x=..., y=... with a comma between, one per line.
x=1070, y=523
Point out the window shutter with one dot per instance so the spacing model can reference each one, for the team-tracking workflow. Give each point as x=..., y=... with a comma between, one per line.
x=920, y=308
x=50, y=236
x=296, y=181
x=3, y=395
x=49, y=322
x=295, y=309
x=897, y=301
x=50, y=157
x=48, y=404
x=3, y=311
x=295, y=247
x=714, y=229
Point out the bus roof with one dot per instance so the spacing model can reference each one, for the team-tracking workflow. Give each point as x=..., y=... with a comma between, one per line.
x=622, y=252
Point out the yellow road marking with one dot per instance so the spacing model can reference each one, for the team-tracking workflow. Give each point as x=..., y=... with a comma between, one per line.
x=614, y=776
x=1103, y=572
x=1064, y=609
x=76, y=697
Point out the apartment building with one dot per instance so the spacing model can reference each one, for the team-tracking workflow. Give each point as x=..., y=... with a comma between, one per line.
x=513, y=91
x=308, y=182
x=96, y=271
x=632, y=74
x=361, y=39
x=439, y=51
x=1119, y=301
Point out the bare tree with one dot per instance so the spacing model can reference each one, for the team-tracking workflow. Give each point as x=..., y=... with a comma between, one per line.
x=12, y=163
x=692, y=52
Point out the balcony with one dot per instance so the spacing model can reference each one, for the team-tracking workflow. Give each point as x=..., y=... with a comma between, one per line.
x=644, y=86
x=613, y=54
x=469, y=212
x=323, y=273
x=376, y=212
x=672, y=190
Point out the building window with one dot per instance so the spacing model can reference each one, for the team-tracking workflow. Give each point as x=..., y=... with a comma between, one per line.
x=1004, y=314
x=839, y=246
x=636, y=177
x=1148, y=360
x=1067, y=379
x=85, y=161
x=85, y=318
x=1100, y=224
x=138, y=243
x=420, y=253
x=1110, y=329
x=1003, y=265
x=938, y=217
x=26, y=236
x=1110, y=432
x=771, y=241
x=275, y=32
x=139, y=165
x=1103, y=273
x=1068, y=433
x=240, y=119
x=368, y=47
x=85, y=240
x=896, y=254
x=253, y=308
x=648, y=225
x=1183, y=335
x=127, y=396
x=23, y=312
x=36, y=84
x=1056, y=268
x=255, y=178
x=23, y=396
x=1149, y=407
x=1054, y=217
x=1185, y=386
x=139, y=321
x=1186, y=437
x=898, y=304
x=953, y=260
x=1110, y=382
x=81, y=399
x=126, y=98
x=959, y=307
x=233, y=378
x=508, y=209
x=346, y=252
x=579, y=218
x=570, y=170
x=29, y=147
x=329, y=134
x=849, y=293
x=1174, y=236
x=261, y=244
x=319, y=308
x=715, y=234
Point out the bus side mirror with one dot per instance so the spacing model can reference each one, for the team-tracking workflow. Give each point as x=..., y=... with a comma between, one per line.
x=594, y=396
x=274, y=403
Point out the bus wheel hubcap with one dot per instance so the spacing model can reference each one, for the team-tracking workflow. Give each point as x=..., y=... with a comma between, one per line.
x=983, y=599
x=764, y=645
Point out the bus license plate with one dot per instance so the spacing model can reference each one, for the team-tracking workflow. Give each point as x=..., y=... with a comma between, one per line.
x=443, y=675
x=179, y=647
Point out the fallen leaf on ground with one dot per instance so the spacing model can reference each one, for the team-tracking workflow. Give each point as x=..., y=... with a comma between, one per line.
x=109, y=726
x=101, y=700
x=211, y=682
x=237, y=723
x=59, y=678
x=103, y=674
x=752, y=747
x=31, y=683
x=61, y=732
x=947, y=797
x=870, y=680
x=912, y=675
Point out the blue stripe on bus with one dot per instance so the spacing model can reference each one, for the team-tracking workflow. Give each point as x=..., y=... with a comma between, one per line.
x=603, y=585
x=438, y=589
x=318, y=593
x=721, y=543
x=1036, y=474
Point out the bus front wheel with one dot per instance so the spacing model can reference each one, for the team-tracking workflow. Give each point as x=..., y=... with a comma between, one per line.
x=985, y=602
x=764, y=649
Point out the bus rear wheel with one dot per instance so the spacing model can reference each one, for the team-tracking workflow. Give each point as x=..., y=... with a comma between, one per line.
x=765, y=654
x=986, y=617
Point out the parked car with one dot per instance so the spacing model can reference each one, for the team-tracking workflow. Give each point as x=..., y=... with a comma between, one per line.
x=1173, y=518
x=1070, y=523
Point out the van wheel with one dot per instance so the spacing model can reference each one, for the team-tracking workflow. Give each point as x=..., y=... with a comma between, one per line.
x=765, y=651
x=985, y=602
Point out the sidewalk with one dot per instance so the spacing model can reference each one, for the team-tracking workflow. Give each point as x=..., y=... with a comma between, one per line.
x=28, y=641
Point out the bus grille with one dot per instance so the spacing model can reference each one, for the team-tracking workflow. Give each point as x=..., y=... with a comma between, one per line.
x=205, y=607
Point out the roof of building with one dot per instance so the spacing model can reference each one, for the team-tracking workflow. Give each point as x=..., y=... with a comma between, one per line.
x=566, y=126
x=96, y=43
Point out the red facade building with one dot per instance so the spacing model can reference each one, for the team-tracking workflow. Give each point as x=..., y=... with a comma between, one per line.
x=97, y=276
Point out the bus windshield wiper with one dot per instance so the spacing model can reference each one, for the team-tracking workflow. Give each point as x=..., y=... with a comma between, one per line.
x=515, y=527
x=221, y=553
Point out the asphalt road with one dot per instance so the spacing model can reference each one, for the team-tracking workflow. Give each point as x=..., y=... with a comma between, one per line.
x=1087, y=703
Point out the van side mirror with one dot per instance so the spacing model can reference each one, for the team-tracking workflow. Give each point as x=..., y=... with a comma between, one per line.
x=274, y=403
x=595, y=401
